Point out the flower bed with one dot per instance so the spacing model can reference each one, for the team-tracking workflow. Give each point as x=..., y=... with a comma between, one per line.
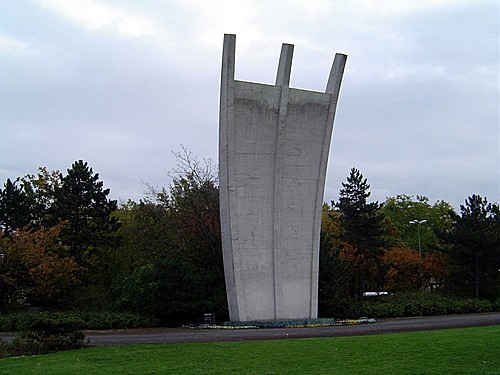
x=306, y=323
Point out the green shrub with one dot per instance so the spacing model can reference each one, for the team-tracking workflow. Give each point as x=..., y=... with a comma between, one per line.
x=44, y=333
x=420, y=304
x=72, y=320
x=39, y=342
x=115, y=320
x=49, y=323
x=7, y=323
x=496, y=305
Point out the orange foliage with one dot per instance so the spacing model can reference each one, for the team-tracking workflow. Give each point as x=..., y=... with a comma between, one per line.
x=408, y=271
x=35, y=265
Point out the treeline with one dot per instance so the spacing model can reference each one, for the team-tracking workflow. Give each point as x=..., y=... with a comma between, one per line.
x=406, y=245
x=66, y=246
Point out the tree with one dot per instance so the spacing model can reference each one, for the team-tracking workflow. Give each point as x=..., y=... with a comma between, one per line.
x=15, y=208
x=362, y=230
x=148, y=235
x=407, y=271
x=40, y=190
x=82, y=202
x=333, y=275
x=193, y=203
x=35, y=268
x=475, y=252
x=400, y=210
x=171, y=289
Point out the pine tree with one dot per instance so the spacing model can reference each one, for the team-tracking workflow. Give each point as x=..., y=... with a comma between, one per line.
x=362, y=229
x=476, y=245
x=82, y=202
x=15, y=212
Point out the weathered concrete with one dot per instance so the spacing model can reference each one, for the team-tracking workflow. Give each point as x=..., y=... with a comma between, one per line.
x=273, y=151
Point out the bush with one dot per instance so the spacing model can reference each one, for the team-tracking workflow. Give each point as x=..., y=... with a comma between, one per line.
x=45, y=333
x=71, y=320
x=39, y=342
x=341, y=308
x=115, y=320
x=496, y=305
x=8, y=323
x=48, y=323
x=421, y=304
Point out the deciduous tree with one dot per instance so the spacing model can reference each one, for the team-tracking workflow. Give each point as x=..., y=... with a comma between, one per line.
x=407, y=271
x=333, y=274
x=40, y=189
x=193, y=204
x=400, y=210
x=35, y=267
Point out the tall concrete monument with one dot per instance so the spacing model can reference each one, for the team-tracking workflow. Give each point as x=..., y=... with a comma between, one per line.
x=273, y=152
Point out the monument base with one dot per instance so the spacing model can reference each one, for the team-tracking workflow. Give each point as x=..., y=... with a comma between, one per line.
x=284, y=323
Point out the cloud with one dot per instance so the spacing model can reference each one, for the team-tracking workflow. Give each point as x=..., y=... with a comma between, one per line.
x=121, y=83
x=95, y=15
x=13, y=45
x=391, y=8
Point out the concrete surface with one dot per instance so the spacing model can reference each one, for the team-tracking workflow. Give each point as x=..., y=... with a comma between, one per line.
x=274, y=143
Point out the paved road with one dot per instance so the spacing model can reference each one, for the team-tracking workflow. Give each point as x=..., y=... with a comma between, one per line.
x=183, y=335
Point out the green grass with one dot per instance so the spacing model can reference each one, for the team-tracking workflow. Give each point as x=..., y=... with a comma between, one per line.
x=454, y=351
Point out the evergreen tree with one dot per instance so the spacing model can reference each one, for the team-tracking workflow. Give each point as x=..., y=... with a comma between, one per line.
x=15, y=208
x=475, y=237
x=82, y=203
x=362, y=230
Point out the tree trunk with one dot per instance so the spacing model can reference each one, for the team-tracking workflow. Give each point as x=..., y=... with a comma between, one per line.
x=476, y=277
x=360, y=282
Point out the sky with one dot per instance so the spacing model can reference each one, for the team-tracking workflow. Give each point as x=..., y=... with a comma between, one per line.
x=125, y=84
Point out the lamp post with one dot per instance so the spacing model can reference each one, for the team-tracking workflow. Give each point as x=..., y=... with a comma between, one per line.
x=419, y=222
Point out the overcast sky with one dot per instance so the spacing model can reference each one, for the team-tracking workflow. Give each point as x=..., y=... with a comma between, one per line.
x=122, y=84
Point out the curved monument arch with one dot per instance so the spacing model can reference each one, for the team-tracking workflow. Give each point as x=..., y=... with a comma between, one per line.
x=274, y=143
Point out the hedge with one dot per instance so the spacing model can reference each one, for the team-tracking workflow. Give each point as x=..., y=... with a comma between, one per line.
x=19, y=322
x=421, y=304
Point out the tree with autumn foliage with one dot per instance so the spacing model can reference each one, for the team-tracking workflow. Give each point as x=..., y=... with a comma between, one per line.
x=407, y=271
x=76, y=206
x=36, y=268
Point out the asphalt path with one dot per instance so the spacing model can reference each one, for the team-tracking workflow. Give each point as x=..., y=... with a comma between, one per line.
x=185, y=335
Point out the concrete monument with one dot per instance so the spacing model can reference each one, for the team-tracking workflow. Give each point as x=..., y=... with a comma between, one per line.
x=273, y=151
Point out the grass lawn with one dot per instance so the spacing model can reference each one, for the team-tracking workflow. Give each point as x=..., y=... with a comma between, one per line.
x=453, y=351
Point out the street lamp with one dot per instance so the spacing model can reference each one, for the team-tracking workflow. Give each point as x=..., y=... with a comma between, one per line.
x=419, y=222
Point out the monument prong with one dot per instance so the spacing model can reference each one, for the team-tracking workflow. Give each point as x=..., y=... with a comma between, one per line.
x=226, y=170
x=228, y=57
x=336, y=74
x=285, y=65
